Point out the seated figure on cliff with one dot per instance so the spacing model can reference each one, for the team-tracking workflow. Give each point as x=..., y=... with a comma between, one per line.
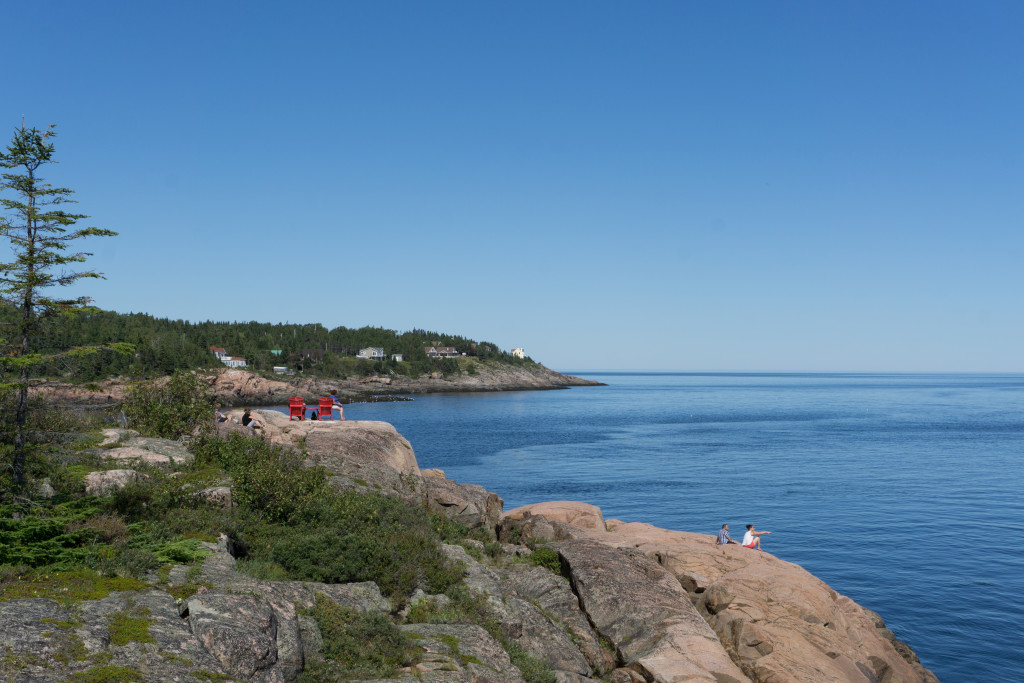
x=750, y=539
x=249, y=421
x=723, y=535
x=337, y=405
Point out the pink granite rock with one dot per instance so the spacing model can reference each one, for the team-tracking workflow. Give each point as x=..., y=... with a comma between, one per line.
x=582, y=515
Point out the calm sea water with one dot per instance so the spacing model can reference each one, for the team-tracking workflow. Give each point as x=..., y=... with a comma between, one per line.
x=904, y=492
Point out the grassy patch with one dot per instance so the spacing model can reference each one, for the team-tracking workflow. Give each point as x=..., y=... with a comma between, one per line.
x=107, y=674
x=130, y=625
x=67, y=588
x=205, y=675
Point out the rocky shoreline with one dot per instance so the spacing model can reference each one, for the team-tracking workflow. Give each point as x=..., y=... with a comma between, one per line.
x=233, y=387
x=630, y=602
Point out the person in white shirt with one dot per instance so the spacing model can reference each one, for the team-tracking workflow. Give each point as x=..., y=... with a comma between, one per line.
x=750, y=539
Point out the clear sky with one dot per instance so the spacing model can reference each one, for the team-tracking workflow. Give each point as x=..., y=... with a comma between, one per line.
x=762, y=186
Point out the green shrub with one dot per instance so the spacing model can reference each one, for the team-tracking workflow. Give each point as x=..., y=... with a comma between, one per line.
x=181, y=405
x=40, y=536
x=370, y=537
x=273, y=483
x=534, y=669
x=358, y=645
x=547, y=558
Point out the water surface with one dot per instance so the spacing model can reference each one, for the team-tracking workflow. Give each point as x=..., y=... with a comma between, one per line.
x=903, y=492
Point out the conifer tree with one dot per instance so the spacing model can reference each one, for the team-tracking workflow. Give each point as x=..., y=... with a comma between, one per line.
x=41, y=236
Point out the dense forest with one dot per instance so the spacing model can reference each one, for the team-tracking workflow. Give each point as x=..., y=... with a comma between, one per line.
x=162, y=346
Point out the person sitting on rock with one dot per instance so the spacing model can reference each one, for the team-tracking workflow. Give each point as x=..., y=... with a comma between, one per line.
x=723, y=535
x=249, y=421
x=750, y=539
x=337, y=405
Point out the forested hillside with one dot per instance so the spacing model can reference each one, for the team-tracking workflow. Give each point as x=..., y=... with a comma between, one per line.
x=162, y=346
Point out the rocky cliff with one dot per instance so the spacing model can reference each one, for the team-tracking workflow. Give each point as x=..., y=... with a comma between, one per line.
x=233, y=387
x=629, y=602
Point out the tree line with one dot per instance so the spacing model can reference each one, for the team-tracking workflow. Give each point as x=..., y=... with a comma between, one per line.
x=162, y=346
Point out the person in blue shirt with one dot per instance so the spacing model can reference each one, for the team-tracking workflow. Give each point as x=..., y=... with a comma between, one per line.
x=723, y=535
x=337, y=405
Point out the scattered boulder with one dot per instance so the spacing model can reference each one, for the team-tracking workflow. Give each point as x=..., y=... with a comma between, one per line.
x=219, y=496
x=163, y=452
x=103, y=482
x=468, y=504
x=365, y=454
x=240, y=631
x=112, y=436
x=580, y=515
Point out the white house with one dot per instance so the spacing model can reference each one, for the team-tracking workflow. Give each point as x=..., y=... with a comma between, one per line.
x=397, y=357
x=372, y=353
x=518, y=353
x=440, y=351
x=223, y=357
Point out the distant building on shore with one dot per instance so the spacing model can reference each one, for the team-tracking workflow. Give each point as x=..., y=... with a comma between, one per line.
x=518, y=353
x=440, y=351
x=230, y=361
x=371, y=353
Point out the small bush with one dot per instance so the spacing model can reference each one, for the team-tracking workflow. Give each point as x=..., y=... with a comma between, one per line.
x=106, y=528
x=274, y=484
x=534, y=669
x=358, y=645
x=547, y=558
x=182, y=405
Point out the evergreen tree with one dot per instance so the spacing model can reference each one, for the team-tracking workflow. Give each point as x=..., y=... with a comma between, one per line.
x=40, y=234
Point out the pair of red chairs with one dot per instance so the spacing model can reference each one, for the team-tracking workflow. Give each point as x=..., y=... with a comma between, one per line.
x=297, y=408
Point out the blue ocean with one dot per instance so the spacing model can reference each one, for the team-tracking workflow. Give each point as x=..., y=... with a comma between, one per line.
x=903, y=491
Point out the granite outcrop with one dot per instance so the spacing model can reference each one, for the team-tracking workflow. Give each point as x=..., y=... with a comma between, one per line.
x=629, y=602
x=237, y=387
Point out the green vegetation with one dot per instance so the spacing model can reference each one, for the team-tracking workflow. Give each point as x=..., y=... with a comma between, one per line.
x=293, y=525
x=546, y=558
x=204, y=675
x=357, y=645
x=163, y=346
x=169, y=410
x=130, y=625
x=107, y=674
x=289, y=524
x=465, y=607
x=66, y=587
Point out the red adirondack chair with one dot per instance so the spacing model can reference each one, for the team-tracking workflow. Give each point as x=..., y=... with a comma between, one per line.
x=296, y=408
x=326, y=408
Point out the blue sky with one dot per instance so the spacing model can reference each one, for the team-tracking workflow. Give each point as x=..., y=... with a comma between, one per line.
x=749, y=186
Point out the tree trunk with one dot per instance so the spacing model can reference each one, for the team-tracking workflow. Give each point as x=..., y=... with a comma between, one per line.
x=21, y=417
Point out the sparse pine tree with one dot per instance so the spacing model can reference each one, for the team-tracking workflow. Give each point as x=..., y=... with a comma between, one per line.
x=41, y=236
